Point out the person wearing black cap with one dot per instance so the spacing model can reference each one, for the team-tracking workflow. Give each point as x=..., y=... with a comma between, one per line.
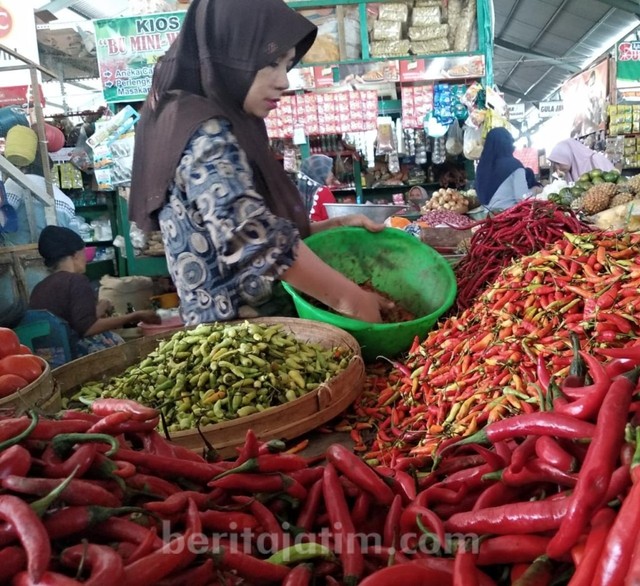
x=68, y=294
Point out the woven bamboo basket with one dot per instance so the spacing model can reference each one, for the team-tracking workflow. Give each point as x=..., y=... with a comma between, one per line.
x=40, y=394
x=284, y=422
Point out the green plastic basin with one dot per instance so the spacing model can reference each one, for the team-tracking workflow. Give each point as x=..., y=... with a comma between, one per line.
x=396, y=263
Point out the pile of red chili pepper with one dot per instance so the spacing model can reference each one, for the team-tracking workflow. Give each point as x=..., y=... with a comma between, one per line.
x=101, y=498
x=483, y=365
x=521, y=230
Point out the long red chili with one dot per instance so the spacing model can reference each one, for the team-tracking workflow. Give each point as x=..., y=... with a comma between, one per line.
x=105, y=564
x=72, y=520
x=587, y=406
x=360, y=473
x=202, y=575
x=78, y=492
x=512, y=548
x=47, y=579
x=602, y=522
x=80, y=461
x=342, y=526
x=546, y=423
x=268, y=463
x=15, y=460
x=615, y=559
x=267, y=520
x=170, y=467
x=30, y=531
x=465, y=571
x=13, y=559
x=392, y=522
x=309, y=510
x=599, y=464
x=104, y=407
x=299, y=576
x=549, y=451
x=261, y=483
x=249, y=567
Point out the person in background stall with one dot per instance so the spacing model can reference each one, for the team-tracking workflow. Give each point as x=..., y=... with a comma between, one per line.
x=232, y=222
x=17, y=197
x=67, y=293
x=501, y=181
x=571, y=158
x=316, y=173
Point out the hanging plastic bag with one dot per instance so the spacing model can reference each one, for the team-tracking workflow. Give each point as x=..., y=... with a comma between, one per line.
x=386, y=131
x=455, y=139
x=472, y=143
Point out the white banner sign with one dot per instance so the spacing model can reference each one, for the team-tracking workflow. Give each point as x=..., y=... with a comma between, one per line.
x=18, y=33
x=550, y=109
x=516, y=111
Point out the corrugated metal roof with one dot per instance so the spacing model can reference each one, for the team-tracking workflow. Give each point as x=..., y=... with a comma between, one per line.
x=539, y=44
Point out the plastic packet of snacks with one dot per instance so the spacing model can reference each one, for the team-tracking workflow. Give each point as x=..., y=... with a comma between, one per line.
x=387, y=30
x=437, y=31
x=430, y=47
x=424, y=16
x=395, y=11
x=389, y=48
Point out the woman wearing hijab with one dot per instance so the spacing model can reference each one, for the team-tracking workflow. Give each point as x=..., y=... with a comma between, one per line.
x=232, y=221
x=501, y=181
x=573, y=159
x=67, y=293
x=315, y=174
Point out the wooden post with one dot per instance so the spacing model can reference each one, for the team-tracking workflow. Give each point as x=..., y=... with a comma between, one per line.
x=50, y=208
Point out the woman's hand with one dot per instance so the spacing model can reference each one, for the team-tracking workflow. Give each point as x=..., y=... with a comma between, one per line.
x=366, y=306
x=360, y=221
x=147, y=316
x=103, y=308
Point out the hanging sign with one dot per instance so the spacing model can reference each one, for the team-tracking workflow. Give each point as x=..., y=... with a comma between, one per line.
x=550, y=109
x=516, y=111
x=18, y=33
x=18, y=95
x=628, y=67
x=127, y=50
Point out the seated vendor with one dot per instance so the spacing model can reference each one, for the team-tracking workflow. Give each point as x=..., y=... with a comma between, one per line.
x=67, y=293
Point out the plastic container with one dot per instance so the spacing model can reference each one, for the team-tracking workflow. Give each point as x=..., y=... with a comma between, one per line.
x=11, y=116
x=395, y=263
x=55, y=138
x=376, y=212
x=21, y=146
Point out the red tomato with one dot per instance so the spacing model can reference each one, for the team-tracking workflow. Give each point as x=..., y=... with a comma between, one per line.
x=10, y=383
x=28, y=367
x=24, y=350
x=9, y=342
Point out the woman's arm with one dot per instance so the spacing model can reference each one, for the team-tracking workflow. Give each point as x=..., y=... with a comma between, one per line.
x=105, y=324
x=314, y=277
x=354, y=220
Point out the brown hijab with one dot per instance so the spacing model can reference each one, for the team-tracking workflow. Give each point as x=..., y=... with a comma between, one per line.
x=207, y=72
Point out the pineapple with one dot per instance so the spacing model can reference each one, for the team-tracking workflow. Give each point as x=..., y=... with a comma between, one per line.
x=633, y=184
x=621, y=199
x=576, y=204
x=598, y=197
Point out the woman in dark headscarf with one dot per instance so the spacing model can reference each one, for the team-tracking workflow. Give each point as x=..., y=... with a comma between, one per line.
x=501, y=181
x=232, y=221
x=315, y=174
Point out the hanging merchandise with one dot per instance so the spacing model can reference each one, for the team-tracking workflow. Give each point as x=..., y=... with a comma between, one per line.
x=109, y=129
x=454, y=140
x=433, y=127
x=443, y=103
x=70, y=176
x=400, y=143
x=122, y=152
x=290, y=160
x=473, y=142
x=21, y=146
x=102, y=167
x=393, y=163
x=384, y=140
x=439, y=154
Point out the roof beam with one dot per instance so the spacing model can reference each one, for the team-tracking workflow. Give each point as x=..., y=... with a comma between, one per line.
x=513, y=93
x=626, y=5
x=56, y=5
x=525, y=51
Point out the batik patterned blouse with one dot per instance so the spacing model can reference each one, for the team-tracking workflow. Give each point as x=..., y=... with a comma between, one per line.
x=225, y=250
